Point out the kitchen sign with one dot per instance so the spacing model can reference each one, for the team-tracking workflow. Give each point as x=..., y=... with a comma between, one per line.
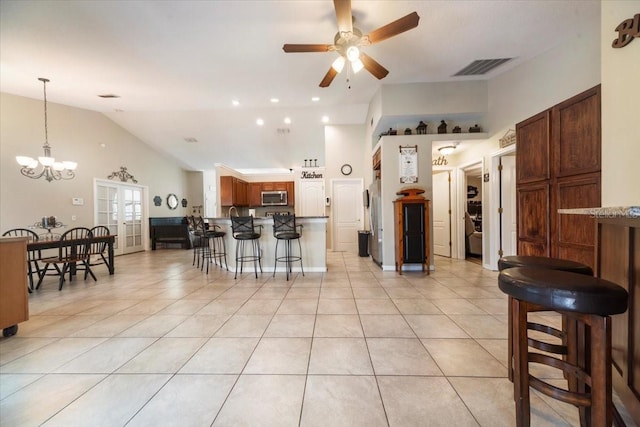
x=310, y=175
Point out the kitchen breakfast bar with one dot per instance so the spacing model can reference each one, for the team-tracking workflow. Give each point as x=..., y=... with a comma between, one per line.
x=313, y=243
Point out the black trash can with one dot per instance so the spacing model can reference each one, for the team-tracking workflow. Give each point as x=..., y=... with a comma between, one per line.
x=363, y=243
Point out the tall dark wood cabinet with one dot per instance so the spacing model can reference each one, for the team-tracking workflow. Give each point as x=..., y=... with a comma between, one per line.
x=412, y=239
x=558, y=167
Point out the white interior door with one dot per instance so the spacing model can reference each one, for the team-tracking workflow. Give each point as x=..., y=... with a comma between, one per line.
x=508, y=222
x=132, y=221
x=310, y=196
x=347, y=213
x=442, y=213
x=120, y=207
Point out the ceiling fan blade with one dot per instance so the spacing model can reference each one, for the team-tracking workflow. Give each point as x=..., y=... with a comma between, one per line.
x=300, y=48
x=373, y=66
x=328, y=78
x=394, y=28
x=343, y=15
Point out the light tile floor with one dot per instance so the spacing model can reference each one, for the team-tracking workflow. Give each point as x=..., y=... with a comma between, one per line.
x=161, y=343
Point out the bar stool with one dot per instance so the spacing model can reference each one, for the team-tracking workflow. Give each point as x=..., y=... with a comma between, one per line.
x=219, y=247
x=285, y=228
x=548, y=264
x=585, y=300
x=243, y=231
x=196, y=229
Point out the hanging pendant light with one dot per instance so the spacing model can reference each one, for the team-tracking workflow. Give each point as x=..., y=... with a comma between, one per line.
x=51, y=170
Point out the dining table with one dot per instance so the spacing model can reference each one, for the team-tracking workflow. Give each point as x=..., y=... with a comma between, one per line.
x=110, y=239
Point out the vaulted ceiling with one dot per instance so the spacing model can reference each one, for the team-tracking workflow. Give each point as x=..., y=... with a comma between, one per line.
x=178, y=65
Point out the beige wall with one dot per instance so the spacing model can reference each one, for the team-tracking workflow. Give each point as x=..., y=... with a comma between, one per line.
x=74, y=134
x=620, y=112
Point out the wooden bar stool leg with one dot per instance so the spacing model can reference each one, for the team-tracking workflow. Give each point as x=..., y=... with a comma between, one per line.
x=521, y=364
x=510, y=339
x=600, y=346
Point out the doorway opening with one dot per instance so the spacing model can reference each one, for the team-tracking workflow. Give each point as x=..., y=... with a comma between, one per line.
x=473, y=214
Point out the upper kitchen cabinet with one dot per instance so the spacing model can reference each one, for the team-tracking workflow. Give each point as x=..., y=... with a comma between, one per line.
x=233, y=191
x=255, y=194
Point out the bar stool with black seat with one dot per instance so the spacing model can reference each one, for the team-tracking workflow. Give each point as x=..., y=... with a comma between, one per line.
x=286, y=230
x=199, y=240
x=243, y=231
x=212, y=246
x=588, y=301
x=218, y=245
x=549, y=264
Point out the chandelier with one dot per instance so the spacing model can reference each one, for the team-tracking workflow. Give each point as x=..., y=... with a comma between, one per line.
x=51, y=170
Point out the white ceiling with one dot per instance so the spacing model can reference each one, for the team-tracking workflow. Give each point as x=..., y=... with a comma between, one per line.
x=177, y=65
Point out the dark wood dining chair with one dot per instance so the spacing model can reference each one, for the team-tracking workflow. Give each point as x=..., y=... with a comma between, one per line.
x=32, y=256
x=97, y=250
x=74, y=248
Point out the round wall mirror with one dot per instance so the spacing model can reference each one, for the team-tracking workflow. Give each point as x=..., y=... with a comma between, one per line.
x=172, y=201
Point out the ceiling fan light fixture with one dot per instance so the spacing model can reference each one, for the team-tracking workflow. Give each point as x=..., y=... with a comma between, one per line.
x=357, y=65
x=353, y=53
x=338, y=64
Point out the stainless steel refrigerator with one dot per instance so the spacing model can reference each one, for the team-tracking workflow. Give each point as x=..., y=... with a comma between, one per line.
x=375, y=212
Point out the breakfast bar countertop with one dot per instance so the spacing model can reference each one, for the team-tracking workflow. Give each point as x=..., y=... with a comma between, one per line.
x=606, y=212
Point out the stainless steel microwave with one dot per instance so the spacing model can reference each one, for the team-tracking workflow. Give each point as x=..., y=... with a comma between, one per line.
x=274, y=198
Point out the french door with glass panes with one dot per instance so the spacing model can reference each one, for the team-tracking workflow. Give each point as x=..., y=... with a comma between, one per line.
x=121, y=208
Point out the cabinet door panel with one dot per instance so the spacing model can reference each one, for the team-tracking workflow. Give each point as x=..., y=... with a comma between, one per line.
x=255, y=194
x=226, y=190
x=576, y=135
x=533, y=204
x=533, y=155
x=575, y=235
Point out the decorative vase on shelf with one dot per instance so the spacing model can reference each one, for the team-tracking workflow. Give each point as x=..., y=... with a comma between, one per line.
x=457, y=129
x=475, y=129
x=443, y=127
x=407, y=131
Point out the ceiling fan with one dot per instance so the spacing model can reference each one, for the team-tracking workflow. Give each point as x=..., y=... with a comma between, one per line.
x=349, y=39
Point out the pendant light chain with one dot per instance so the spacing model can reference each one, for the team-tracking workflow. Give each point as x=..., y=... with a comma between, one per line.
x=46, y=127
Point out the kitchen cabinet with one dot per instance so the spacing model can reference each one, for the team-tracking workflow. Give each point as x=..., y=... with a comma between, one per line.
x=14, y=300
x=558, y=167
x=411, y=225
x=233, y=191
x=291, y=194
x=255, y=194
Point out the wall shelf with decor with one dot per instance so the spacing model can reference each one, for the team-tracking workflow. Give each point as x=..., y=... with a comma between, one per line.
x=400, y=125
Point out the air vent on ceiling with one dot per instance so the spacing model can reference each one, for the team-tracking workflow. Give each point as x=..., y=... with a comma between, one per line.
x=190, y=139
x=109, y=95
x=481, y=66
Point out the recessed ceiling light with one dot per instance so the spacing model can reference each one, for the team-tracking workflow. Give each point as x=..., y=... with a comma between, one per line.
x=235, y=102
x=325, y=119
x=287, y=120
x=275, y=100
x=259, y=122
x=315, y=99
x=190, y=139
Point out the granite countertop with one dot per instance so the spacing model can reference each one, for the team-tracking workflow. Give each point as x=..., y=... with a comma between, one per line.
x=605, y=212
x=257, y=218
